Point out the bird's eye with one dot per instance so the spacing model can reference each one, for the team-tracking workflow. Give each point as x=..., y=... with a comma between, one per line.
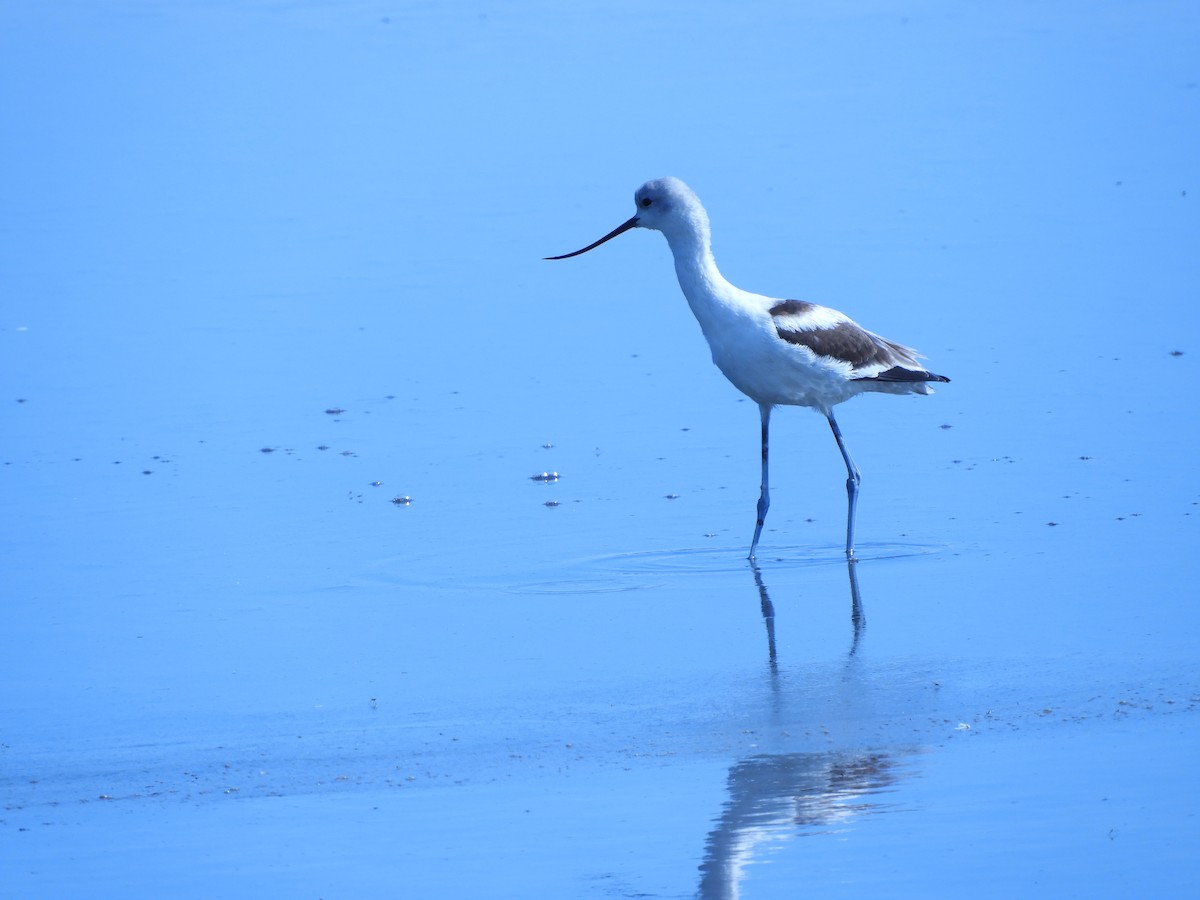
x=646, y=201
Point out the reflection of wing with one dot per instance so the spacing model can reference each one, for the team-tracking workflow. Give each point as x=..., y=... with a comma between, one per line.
x=830, y=334
x=774, y=798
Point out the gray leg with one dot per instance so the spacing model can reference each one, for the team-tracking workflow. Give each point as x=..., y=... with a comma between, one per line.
x=764, y=496
x=852, y=482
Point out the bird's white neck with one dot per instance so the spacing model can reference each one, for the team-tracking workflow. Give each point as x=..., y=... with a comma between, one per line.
x=701, y=281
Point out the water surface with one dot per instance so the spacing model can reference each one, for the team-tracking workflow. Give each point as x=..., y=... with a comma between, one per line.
x=270, y=267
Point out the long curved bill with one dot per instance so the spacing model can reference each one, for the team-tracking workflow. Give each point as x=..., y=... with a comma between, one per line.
x=620, y=229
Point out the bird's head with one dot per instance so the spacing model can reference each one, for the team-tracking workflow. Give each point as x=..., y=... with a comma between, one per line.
x=664, y=204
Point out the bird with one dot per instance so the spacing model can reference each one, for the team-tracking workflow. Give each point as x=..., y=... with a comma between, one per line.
x=776, y=352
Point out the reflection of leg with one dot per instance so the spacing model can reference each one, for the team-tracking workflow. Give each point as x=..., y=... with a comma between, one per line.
x=858, y=621
x=764, y=495
x=768, y=614
x=853, y=480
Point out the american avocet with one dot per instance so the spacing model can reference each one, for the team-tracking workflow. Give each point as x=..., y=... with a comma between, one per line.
x=776, y=352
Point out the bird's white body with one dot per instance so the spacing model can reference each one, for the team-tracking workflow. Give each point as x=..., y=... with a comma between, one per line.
x=744, y=336
x=777, y=352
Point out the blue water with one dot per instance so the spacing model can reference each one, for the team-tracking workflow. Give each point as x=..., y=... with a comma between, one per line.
x=269, y=267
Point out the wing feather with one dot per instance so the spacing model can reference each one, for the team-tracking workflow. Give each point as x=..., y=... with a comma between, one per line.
x=833, y=335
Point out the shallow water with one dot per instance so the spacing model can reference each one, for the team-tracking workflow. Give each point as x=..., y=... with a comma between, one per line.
x=272, y=267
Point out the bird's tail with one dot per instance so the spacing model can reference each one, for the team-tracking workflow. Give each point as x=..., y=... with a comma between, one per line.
x=899, y=374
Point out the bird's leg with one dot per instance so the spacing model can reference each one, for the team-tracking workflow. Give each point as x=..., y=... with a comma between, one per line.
x=764, y=496
x=853, y=480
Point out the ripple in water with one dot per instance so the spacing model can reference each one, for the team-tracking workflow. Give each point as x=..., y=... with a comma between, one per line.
x=709, y=560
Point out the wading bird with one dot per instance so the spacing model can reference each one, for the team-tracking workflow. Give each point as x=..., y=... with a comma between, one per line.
x=776, y=352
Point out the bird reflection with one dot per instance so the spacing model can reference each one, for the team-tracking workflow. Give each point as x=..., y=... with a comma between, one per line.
x=776, y=797
x=858, y=621
x=768, y=614
x=773, y=798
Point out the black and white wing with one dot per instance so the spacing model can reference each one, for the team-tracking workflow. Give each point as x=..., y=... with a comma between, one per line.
x=835, y=337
